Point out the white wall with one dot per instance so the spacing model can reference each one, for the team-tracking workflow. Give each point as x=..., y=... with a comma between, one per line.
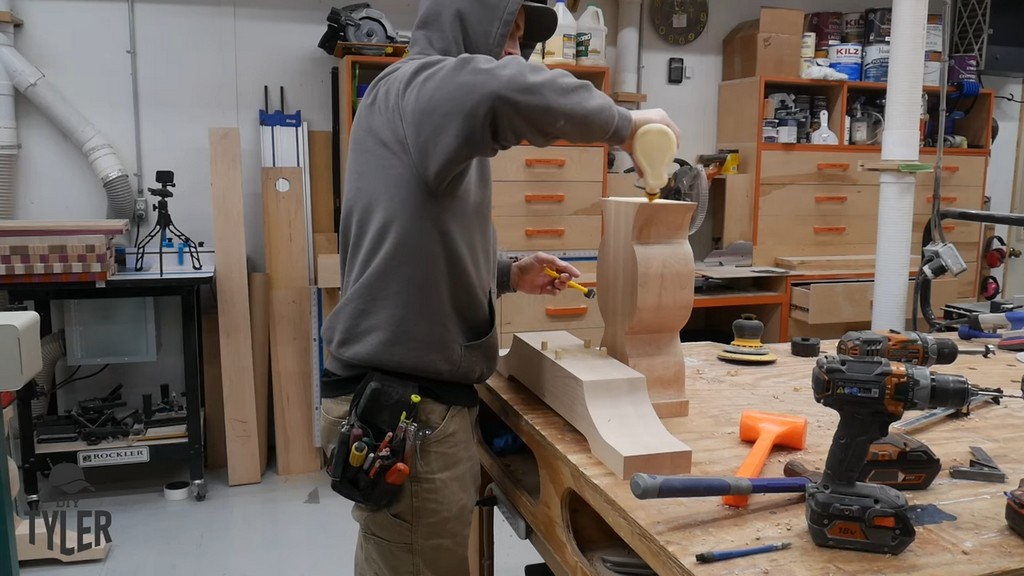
x=204, y=63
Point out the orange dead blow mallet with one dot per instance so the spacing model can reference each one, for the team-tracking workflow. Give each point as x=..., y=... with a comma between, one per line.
x=766, y=430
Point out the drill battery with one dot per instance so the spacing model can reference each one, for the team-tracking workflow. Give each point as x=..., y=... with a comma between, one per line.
x=1015, y=509
x=902, y=462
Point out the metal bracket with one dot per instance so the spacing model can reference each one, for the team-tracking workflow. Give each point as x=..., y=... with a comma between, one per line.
x=982, y=469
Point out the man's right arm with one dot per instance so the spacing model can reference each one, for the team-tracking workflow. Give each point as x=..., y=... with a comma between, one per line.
x=474, y=106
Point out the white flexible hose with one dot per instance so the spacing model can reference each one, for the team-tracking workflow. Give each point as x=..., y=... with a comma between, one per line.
x=101, y=155
x=900, y=142
x=627, y=47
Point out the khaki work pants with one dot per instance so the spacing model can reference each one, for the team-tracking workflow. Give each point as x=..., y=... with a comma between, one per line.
x=426, y=530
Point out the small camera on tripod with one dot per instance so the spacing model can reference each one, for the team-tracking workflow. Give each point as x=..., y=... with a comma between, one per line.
x=165, y=178
x=164, y=231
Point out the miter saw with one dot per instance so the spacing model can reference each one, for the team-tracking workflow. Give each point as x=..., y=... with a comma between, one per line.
x=689, y=183
x=358, y=24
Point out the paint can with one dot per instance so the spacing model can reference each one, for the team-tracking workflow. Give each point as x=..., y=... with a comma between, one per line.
x=963, y=68
x=807, y=45
x=933, y=34
x=853, y=27
x=788, y=131
x=932, y=68
x=827, y=27
x=846, y=58
x=876, y=62
x=770, y=131
x=877, y=25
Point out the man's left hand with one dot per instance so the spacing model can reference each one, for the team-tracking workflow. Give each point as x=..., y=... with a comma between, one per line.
x=529, y=277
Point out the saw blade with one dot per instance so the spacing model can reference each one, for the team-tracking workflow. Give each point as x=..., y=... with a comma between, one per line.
x=368, y=31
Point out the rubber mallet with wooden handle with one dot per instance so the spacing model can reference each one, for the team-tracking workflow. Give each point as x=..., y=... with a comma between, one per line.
x=766, y=430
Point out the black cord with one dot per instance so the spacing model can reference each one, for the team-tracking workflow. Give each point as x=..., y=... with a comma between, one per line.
x=1011, y=98
x=70, y=376
x=80, y=378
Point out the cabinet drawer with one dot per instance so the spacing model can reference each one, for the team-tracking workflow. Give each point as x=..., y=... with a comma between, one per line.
x=956, y=171
x=548, y=232
x=839, y=302
x=567, y=311
x=555, y=163
x=547, y=198
x=785, y=200
x=967, y=197
x=824, y=230
x=956, y=231
x=799, y=167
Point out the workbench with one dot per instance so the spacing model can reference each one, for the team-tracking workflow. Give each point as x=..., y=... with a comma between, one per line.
x=578, y=510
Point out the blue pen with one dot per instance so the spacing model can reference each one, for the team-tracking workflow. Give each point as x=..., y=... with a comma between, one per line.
x=706, y=557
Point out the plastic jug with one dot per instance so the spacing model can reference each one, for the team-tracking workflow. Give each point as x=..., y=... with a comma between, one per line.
x=561, y=48
x=590, y=37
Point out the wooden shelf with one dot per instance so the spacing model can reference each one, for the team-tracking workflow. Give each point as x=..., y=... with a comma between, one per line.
x=10, y=18
x=632, y=97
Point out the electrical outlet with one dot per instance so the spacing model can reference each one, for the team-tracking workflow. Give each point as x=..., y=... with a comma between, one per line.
x=141, y=210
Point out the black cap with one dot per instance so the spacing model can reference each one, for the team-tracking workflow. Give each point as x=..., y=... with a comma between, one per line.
x=946, y=351
x=541, y=21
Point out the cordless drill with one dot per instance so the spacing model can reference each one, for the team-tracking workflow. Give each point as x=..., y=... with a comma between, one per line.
x=898, y=460
x=869, y=394
x=911, y=347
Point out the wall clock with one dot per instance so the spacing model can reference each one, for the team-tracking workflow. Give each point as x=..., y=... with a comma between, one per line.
x=679, y=22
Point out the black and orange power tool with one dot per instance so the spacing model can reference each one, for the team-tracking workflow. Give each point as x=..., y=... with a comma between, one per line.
x=898, y=460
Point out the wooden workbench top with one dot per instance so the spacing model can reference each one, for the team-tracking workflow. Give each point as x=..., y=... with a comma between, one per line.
x=668, y=533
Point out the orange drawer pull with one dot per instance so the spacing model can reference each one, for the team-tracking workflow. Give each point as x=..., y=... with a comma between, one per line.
x=931, y=199
x=951, y=169
x=545, y=162
x=844, y=166
x=557, y=311
x=830, y=229
x=836, y=199
x=949, y=227
x=556, y=232
x=531, y=198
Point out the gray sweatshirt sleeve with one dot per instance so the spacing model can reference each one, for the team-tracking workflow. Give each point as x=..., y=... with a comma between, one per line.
x=504, y=280
x=474, y=106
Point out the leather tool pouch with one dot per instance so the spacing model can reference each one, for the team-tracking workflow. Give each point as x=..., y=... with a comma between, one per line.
x=376, y=409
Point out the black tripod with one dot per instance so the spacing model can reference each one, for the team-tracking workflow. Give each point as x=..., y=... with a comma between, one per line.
x=163, y=225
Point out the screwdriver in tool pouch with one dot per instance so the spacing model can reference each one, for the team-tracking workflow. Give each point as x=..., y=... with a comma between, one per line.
x=358, y=454
x=397, y=475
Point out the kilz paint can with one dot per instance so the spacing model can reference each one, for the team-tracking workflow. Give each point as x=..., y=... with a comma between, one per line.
x=877, y=25
x=846, y=58
x=853, y=28
x=963, y=68
x=876, y=62
x=827, y=27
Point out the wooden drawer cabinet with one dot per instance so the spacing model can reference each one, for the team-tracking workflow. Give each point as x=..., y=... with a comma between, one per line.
x=517, y=233
x=850, y=302
x=567, y=311
x=547, y=198
x=818, y=231
x=956, y=171
x=785, y=200
x=967, y=197
x=556, y=163
x=797, y=167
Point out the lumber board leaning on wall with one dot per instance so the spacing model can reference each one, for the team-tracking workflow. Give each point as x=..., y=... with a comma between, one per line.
x=287, y=257
x=240, y=424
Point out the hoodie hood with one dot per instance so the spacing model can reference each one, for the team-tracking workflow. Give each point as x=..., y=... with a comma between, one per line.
x=455, y=27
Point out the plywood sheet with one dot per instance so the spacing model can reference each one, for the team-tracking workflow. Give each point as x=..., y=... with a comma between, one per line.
x=259, y=312
x=321, y=174
x=233, y=308
x=213, y=396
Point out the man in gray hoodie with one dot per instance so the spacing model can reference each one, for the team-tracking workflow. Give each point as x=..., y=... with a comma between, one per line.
x=420, y=272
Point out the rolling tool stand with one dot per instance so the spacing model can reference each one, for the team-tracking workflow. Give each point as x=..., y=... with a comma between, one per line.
x=163, y=225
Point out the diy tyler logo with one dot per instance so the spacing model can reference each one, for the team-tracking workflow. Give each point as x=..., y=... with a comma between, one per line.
x=91, y=527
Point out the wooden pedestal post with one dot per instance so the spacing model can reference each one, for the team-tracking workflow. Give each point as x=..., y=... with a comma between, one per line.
x=645, y=286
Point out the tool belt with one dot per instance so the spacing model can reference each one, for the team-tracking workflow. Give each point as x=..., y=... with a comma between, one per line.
x=372, y=459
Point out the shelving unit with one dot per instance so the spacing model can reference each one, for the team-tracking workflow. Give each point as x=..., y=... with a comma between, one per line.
x=814, y=200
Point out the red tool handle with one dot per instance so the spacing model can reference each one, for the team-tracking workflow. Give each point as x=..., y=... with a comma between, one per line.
x=397, y=474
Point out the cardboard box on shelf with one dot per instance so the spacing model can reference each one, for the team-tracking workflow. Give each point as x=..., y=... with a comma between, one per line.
x=769, y=46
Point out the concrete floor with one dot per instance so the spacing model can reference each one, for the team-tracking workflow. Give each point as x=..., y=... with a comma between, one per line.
x=285, y=525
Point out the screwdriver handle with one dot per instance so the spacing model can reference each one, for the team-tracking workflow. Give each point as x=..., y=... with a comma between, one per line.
x=648, y=486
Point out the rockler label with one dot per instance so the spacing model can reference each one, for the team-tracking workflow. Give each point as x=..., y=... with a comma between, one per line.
x=113, y=457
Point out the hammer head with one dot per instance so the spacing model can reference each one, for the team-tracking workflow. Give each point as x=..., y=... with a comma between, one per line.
x=788, y=431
